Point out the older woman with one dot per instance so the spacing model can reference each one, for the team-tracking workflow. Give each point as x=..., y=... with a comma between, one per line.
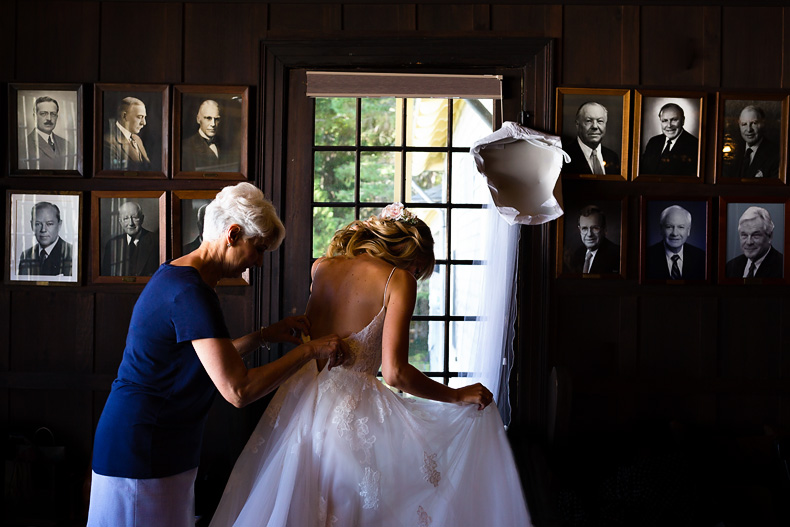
x=178, y=355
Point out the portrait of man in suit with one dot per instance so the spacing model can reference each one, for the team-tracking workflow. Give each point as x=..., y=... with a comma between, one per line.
x=133, y=252
x=198, y=239
x=673, y=152
x=588, y=154
x=759, y=258
x=673, y=257
x=43, y=148
x=206, y=149
x=755, y=155
x=51, y=255
x=597, y=254
x=123, y=147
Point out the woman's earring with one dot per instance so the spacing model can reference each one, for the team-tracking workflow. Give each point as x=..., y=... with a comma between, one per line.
x=228, y=244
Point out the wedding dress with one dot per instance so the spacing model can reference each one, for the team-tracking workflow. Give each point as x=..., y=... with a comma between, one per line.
x=339, y=448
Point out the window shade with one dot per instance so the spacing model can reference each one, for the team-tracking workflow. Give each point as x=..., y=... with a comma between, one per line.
x=354, y=84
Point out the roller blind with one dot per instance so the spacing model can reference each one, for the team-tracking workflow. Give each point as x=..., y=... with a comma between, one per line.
x=355, y=84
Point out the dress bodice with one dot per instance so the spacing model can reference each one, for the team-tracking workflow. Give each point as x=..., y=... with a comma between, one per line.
x=365, y=347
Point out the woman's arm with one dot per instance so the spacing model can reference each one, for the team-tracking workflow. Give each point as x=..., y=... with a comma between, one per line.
x=395, y=367
x=286, y=330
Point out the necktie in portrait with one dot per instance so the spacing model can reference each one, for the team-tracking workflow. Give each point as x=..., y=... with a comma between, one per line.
x=675, y=274
x=596, y=165
x=587, y=261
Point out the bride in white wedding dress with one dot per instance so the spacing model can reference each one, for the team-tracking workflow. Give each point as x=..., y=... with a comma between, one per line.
x=337, y=447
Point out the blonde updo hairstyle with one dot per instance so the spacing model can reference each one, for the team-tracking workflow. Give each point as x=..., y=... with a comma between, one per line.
x=395, y=241
x=244, y=205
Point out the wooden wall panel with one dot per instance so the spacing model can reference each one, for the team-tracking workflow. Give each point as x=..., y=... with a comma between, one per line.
x=7, y=40
x=750, y=343
x=673, y=56
x=593, y=45
x=59, y=41
x=452, y=17
x=5, y=334
x=591, y=348
x=113, y=313
x=752, y=45
x=237, y=306
x=313, y=17
x=48, y=332
x=141, y=44
x=383, y=17
x=671, y=336
x=528, y=20
x=221, y=43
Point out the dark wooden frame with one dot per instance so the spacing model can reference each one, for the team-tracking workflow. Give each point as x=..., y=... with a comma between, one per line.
x=96, y=240
x=726, y=132
x=563, y=222
x=156, y=113
x=646, y=239
x=724, y=202
x=76, y=114
x=581, y=96
x=177, y=199
x=11, y=249
x=639, y=119
x=220, y=93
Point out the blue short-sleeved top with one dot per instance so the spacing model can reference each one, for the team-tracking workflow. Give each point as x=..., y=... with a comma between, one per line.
x=152, y=423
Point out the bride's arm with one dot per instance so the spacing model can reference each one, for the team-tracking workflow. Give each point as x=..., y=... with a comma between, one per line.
x=395, y=367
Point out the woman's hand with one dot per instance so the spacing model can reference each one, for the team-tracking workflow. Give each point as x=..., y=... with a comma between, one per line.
x=475, y=394
x=329, y=347
x=287, y=330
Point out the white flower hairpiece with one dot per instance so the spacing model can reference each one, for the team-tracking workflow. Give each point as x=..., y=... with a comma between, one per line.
x=397, y=212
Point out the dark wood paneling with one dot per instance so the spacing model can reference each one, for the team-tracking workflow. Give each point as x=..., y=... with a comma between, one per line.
x=384, y=17
x=753, y=48
x=528, y=20
x=221, y=42
x=238, y=307
x=750, y=343
x=141, y=43
x=452, y=17
x=7, y=40
x=675, y=57
x=671, y=335
x=593, y=45
x=592, y=347
x=313, y=17
x=58, y=42
x=113, y=312
x=48, y=332
x=5, y=334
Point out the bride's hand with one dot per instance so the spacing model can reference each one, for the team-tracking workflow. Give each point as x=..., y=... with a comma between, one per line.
x=329, y=347
x=475, y=394
x=288, y=329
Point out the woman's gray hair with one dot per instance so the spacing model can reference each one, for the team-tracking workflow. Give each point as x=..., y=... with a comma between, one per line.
x=244, y=205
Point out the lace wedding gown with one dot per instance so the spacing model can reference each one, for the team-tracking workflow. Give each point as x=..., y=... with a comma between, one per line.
x=338, y=448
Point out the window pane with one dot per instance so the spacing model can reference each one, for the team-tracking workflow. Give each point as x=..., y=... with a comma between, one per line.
x=436, y=219
x=464, y=297
x=427, y=172
x=466, y=236
x=380, y=118
x=430, y=293
x=461, y=334
x=326, y=221
x=426, y=345
x=469, y=186
x=473, y=119
x=426, y=122
x=335, y=121
x=377, y=173
x=333, y=176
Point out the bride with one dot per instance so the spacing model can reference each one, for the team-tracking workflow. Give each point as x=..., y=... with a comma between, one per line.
x=339, y=448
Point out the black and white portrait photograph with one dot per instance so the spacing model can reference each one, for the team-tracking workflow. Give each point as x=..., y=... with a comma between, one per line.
x=46, y=133
x=668, y=135
x=129, y=230
x=43, y=237
x=752, y=139
x=593, y=126
x=591, y=237
x=131, y=130
x=675, y=240
x=210, y=132
x=753, y=241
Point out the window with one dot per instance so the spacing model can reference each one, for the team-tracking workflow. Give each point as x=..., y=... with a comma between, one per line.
x=371, y=151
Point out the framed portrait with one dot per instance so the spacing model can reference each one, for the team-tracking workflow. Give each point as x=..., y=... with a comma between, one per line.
x=593, y=125
x=753, y=240
x=45, y=135
x=210, y=127
x=189, y=208
x=128, y=233
x=43, y=237
x=591, y=237
x=674, y=240
x=668, y=138
x=751, y=138
x=131, y=130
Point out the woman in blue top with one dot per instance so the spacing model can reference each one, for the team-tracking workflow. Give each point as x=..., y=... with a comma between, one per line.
x=178, y=355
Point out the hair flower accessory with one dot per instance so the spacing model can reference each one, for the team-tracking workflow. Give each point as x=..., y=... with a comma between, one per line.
x=397, y=212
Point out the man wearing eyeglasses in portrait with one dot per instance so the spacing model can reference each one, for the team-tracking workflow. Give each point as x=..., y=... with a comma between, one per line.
x=43, y=149
x=135, y=251
x=598, y=255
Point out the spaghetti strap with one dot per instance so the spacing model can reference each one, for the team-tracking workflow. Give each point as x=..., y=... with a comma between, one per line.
x=384, y=300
